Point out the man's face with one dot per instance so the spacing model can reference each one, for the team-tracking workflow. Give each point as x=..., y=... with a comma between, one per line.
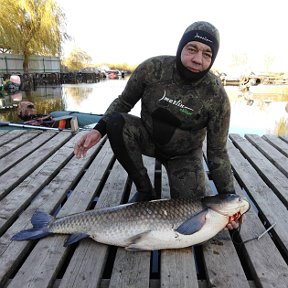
x=196, y=56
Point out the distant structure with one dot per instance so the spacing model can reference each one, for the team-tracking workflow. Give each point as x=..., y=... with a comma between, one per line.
x=13, y=64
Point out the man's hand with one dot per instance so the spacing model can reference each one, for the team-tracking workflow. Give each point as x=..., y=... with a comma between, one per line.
x=234, y=224
x=86, y=142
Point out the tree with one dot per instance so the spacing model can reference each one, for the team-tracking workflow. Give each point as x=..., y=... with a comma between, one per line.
x=32, y=27
x=77, y=60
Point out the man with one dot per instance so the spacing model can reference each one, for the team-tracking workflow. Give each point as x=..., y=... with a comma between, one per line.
x=182, y=102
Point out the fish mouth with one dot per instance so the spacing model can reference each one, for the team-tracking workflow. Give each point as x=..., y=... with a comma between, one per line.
x=227, y=204
x=236, y=211
x=244, y=208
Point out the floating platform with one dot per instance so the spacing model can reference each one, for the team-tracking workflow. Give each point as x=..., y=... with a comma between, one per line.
x=38, y=171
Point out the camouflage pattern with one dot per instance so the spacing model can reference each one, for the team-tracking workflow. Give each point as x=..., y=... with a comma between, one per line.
x=175, y=118
x=204, y=26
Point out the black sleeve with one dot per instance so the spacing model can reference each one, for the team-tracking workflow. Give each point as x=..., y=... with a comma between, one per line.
x=101, y=127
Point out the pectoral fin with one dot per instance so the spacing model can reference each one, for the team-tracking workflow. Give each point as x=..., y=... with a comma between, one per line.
x=193, y=224
x=135, y=241
x=75, y=238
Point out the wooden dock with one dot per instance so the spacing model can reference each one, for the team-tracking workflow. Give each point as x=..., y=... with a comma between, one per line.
x=38, y=171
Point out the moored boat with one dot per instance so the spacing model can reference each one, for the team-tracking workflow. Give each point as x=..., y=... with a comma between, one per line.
x=83, y=118
x=57, y=120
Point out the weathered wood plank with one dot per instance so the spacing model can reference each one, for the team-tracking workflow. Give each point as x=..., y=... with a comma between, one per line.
x=60, y=174
x=32, y=160
x=88, y=262
x=268, y=203
x=275, y=179
x=12, y=252
x=49, y=262
x=131, y=269
x=177, y=267
x=21, y=196
x=276, y=142
x=13, y=158
x=222, y=265
x=17, y=142
x=7, y=136
x=271, y=153
x=284, y=138
x=2, y=132
x=267, y=266
x=220, y=256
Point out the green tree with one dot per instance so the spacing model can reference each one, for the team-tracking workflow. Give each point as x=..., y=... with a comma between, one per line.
x=77, y=59
x=31, y=27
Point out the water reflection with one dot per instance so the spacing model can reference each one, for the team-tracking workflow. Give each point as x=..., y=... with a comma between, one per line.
x=46, y=99
x=93, y=98
x=264, y=112
x=78, y=94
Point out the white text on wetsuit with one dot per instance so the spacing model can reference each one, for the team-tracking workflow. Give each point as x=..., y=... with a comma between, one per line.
x=174, y=102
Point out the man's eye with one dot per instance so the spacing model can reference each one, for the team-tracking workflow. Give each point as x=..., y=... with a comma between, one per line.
x=192, y=50
x=207, y=55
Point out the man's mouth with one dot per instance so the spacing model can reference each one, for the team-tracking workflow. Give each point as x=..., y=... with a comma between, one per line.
x=193, y=69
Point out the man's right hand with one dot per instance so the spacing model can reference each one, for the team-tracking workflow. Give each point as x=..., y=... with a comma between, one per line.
x=86, y=142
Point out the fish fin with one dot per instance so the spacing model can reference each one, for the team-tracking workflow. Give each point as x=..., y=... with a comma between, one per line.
x=75, y=238
x=193, y=224
x=133, y=249
x=40, y=221
x=30, y=234
x=134, y=241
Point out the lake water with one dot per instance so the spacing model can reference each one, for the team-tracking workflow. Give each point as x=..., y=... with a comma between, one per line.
x=263, y=111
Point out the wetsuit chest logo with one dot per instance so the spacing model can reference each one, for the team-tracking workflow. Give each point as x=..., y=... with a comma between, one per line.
x=182, y=108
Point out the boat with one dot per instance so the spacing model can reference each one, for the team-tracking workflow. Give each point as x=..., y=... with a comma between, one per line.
x=114, y=74
x=57, y=120
x=83, y=118
x=10, y=86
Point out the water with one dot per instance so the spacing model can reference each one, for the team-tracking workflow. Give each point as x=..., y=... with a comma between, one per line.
x=263, y=111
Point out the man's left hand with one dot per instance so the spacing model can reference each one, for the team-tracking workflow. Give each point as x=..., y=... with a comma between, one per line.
x=235, y=224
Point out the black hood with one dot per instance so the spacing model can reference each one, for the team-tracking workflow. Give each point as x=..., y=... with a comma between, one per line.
x=205, y=33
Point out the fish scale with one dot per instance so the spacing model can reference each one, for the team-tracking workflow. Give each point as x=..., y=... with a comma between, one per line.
x=158, y=224
x=137, y=218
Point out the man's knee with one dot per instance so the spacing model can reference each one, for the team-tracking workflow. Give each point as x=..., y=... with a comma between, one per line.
x=115, y=123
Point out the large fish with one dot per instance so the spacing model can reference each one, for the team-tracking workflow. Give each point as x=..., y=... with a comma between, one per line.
x=153, y=225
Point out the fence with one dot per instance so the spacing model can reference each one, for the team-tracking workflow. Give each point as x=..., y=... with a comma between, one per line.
x=11, y=63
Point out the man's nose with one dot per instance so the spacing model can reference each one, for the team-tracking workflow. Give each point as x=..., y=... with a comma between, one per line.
x=198, y=57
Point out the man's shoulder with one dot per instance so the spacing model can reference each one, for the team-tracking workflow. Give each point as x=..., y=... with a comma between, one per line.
x=214, y=78
x=158, y=68
x=214, y=81
x=161, y=59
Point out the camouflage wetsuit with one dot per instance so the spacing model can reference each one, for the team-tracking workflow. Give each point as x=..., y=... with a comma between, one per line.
x=176, y=114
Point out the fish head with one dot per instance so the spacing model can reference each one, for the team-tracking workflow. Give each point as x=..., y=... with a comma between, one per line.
x=227, y=204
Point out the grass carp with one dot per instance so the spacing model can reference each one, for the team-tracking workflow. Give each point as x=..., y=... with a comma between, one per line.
x=153, y=225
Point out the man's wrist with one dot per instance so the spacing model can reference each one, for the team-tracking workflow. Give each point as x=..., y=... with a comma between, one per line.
x=101, y=127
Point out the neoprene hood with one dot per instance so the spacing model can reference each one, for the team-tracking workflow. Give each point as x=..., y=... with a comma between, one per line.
x=205, y=33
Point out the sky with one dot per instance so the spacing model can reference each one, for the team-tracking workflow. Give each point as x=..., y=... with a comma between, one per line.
x=130, y=31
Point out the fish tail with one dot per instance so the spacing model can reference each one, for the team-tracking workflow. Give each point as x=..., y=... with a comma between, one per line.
x=40, y=222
